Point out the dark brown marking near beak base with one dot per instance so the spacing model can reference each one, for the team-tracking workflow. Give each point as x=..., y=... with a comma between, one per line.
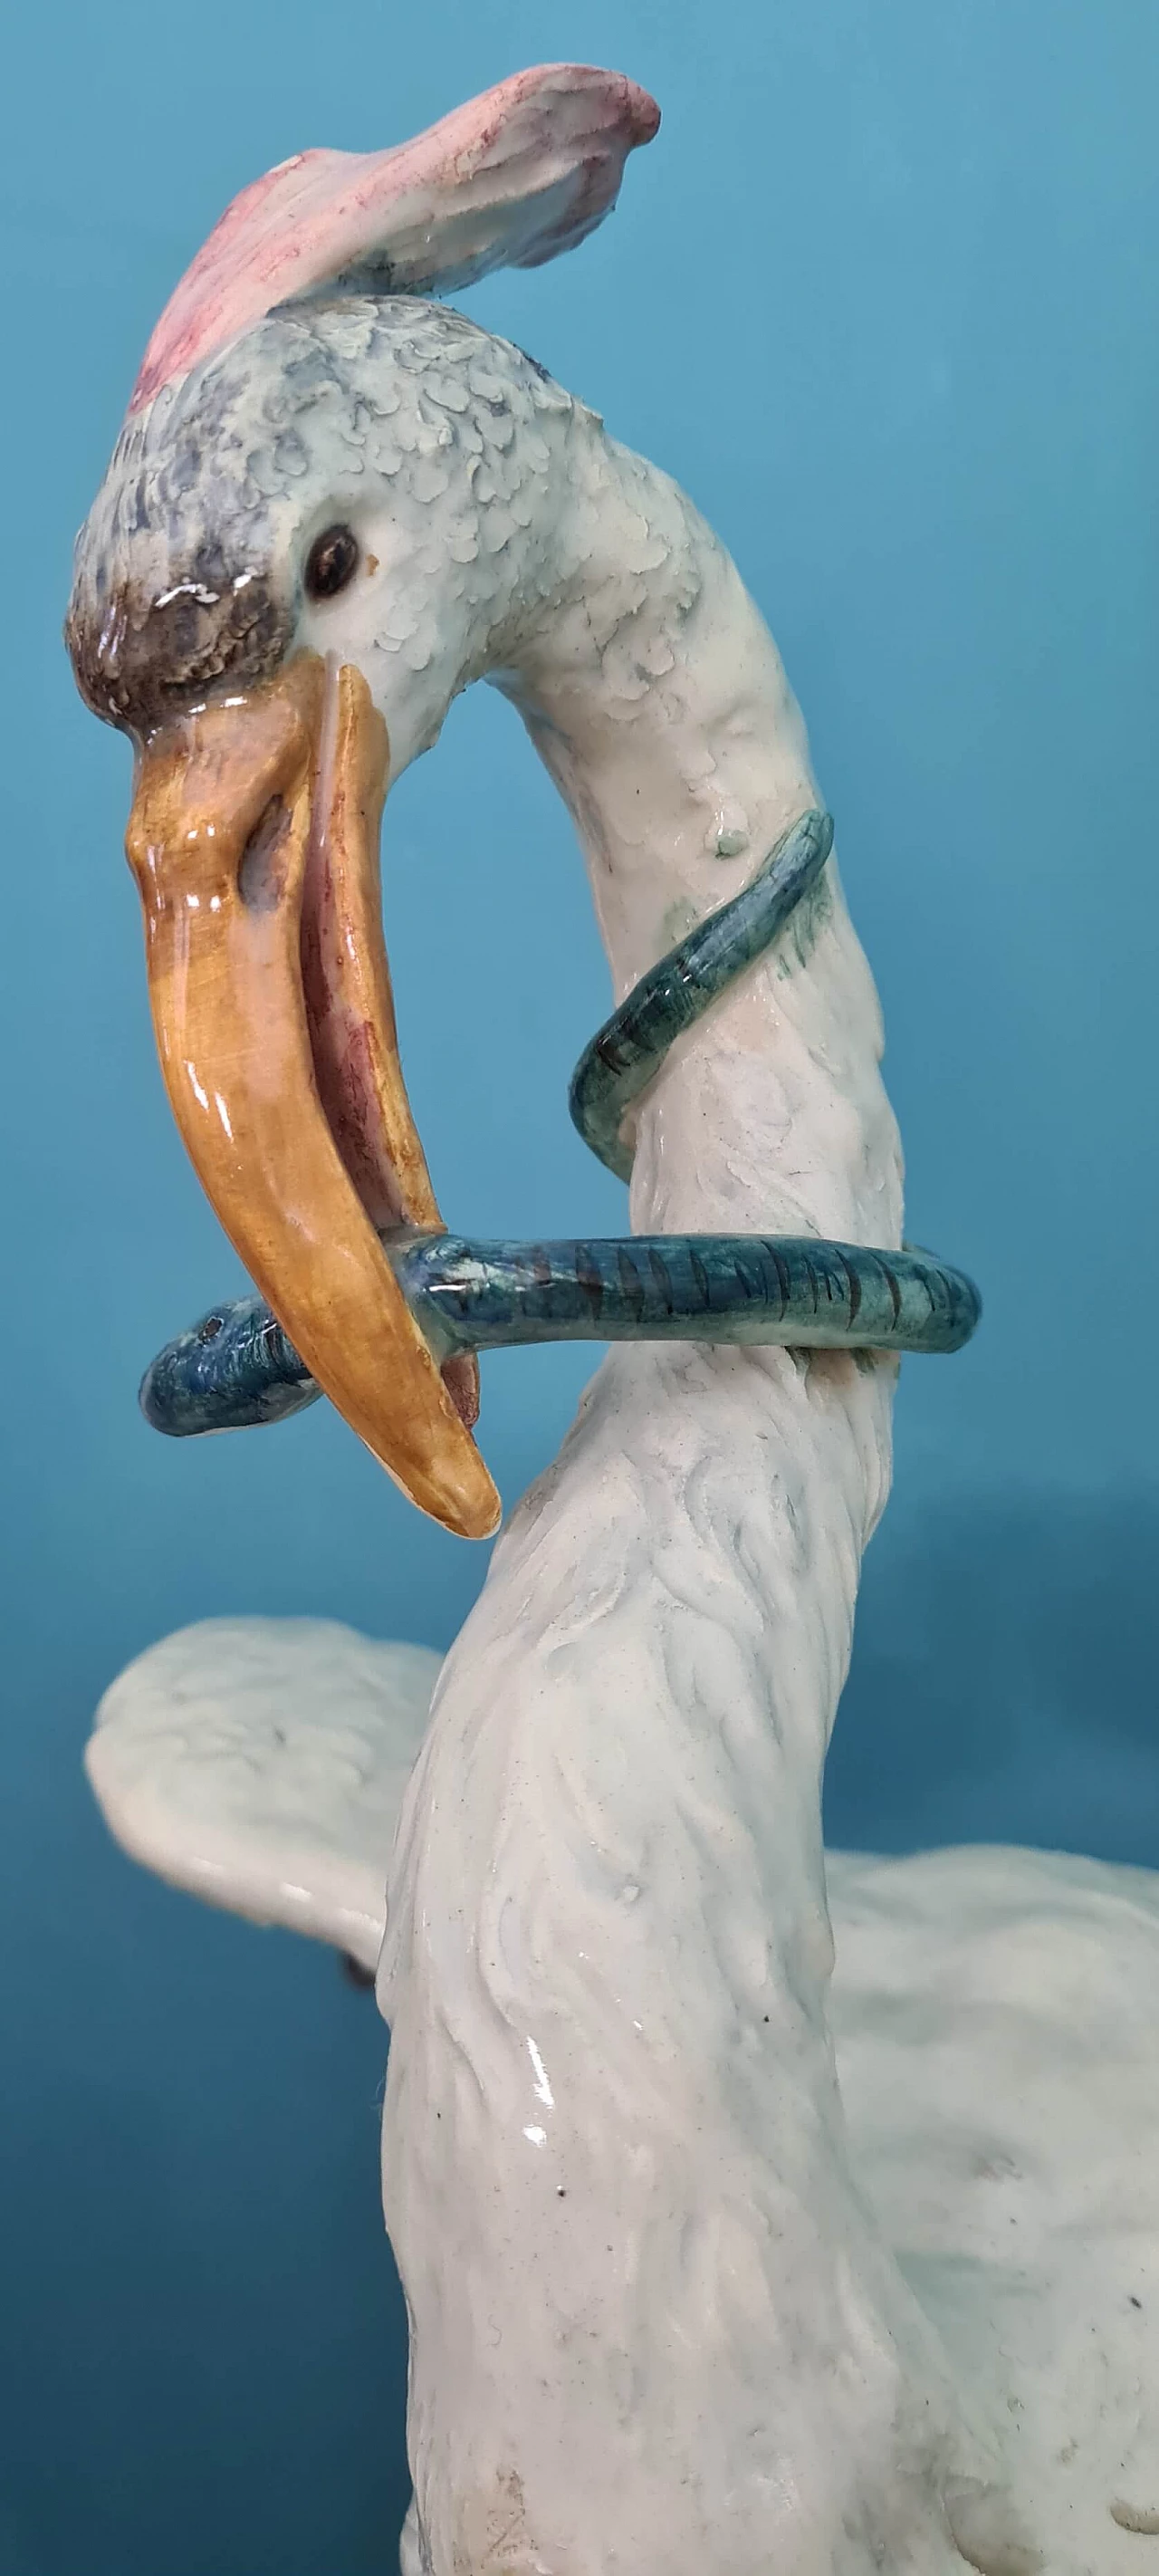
x=138, y=659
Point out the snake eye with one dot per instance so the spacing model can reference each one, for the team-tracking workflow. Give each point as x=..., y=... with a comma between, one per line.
x=331, y=563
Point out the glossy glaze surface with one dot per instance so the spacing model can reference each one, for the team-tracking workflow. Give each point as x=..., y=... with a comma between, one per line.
x=656, y=2322
x=470, y=1295
x=995, y=2016
x=254, y=841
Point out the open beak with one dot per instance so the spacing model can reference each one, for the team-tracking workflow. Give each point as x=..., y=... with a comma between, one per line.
x=254, y=841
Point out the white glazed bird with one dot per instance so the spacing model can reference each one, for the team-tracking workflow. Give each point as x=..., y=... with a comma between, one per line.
x=677, y=2309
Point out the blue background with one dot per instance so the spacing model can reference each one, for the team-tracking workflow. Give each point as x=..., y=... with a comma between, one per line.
x=882, y=295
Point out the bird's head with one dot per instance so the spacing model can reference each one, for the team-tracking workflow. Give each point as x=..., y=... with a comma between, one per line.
x=318, y=523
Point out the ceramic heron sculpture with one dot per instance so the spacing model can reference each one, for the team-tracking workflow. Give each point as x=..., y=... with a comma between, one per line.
x=664, y=2318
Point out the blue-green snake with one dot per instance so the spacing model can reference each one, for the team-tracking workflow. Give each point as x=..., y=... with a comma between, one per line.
x=237, y=1367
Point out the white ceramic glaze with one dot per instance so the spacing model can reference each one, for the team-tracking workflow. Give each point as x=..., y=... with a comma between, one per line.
x=658, y=2325
x=995, y=2014
x=260, y=1764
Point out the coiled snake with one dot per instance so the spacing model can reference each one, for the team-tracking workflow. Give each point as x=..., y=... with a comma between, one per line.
x=237, y=1366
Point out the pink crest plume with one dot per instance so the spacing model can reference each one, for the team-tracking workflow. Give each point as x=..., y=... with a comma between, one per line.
x=510, y=180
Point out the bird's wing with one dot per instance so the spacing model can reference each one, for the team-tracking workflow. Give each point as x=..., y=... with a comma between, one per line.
x=260, y=1763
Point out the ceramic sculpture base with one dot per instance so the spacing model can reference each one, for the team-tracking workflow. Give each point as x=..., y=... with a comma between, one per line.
x=995, y=2014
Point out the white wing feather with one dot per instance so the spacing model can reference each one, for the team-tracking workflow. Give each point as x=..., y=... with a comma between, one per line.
x=260, y=1764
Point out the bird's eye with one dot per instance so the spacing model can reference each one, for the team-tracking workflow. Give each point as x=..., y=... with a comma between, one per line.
x=332, y=562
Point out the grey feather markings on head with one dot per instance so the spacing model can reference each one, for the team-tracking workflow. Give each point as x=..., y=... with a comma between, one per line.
x=187, y=570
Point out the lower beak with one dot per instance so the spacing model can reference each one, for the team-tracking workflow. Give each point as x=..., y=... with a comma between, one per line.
x=254, y=841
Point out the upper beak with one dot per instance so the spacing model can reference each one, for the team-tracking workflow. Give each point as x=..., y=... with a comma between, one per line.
x=254, y=841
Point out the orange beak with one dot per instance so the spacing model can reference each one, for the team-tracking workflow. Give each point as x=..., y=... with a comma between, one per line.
x=254, y=841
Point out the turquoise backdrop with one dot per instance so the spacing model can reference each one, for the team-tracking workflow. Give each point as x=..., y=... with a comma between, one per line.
x=882, y=295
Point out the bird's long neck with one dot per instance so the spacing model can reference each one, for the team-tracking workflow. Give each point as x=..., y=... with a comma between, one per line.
x=656, y=696
x=613, y=2147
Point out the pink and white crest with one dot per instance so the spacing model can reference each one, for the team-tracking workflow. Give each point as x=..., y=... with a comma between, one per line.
x=513, y=178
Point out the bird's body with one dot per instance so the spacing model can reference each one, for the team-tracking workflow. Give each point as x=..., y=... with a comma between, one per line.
x=995, y=2015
